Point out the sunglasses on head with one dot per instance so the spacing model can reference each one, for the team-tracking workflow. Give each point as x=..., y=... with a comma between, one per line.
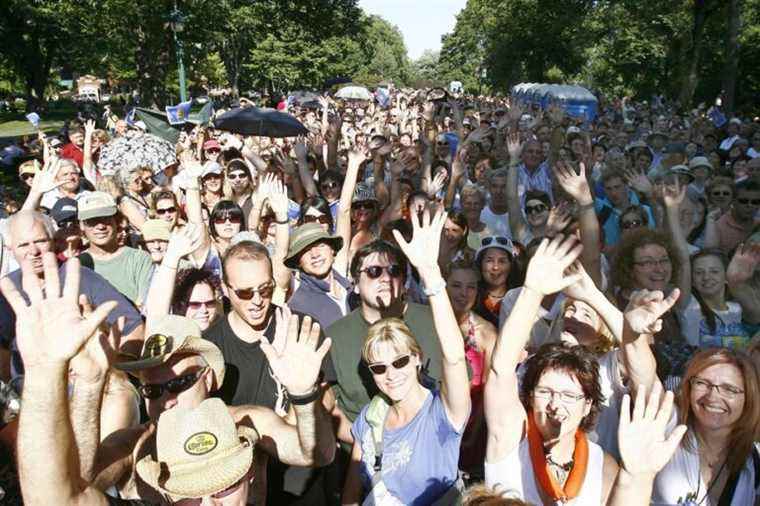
x=173, y=386
x=745, y=202
x=232, y=176
x=232, y=218
x=367, y=205
x=265, y=292
x=537, y=209
x=323, y=219
x=375, y=271
x=399, y=363
x=166, y=210
x=197, y=304
x=487, y=241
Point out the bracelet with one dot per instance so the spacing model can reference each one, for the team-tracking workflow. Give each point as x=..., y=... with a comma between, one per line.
x=283, y=222
x=585, y=207
x=308, y=398
x=435, y=289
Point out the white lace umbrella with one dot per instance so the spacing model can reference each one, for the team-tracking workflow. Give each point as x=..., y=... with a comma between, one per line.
x=354, y=93
x=136, y=149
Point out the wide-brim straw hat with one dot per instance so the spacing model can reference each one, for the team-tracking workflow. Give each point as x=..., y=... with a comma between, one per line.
x=306, y=235
x=199, y=452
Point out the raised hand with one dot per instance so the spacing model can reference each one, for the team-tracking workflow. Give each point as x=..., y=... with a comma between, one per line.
x=278, y=199
x=438, y=182
x=514, y=145
x=91, y=364
x=556, y=114
x=51, y=314
x=745, y=261
x=45, y=180
x=673, y=195
x=645, y=309
x=644, y=446
x=422, y=250
x=293, y=356
x=559, y=219
x=515, y=112
x=183, y=242
x=584, y=287
x=547, y=269
x=300, y=149
x=576, y=185
x=458, y=164
x=89, y=128
x=193, y=167
x=638, y=181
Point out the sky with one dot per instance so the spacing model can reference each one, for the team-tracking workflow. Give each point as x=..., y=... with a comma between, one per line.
x=422, y=22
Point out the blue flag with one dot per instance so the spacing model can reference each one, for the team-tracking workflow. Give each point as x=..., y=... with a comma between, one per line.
x=130, y=117
x=34, y=119
x=177, y=114
x=717, y=117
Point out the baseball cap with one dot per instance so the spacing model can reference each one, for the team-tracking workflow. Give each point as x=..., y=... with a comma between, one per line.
x=55, y=142
x=175, y=334
x=64, y=210
x=495, y=241
x=363, y=192
x=211, y=168
x=96, y=205
x=212, y=144
x=199, y=451
x=156, y=230
x=29, y=167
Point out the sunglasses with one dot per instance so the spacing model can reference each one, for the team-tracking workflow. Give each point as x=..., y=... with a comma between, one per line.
x=323, y=219
x=720, y=194
x=442, y=144
x=399, y=363
x=630, y=224
x=329, y=186
x=173, y=386
x=265, y=292
x=166, y=210
x=213, y=151
x=26, y=176
x=93, y=222
x=375, y=271
x=745, y=202
x=367, y=205
x=537, y=209
x=232, y=218
x=197, y=304
x=232, y=176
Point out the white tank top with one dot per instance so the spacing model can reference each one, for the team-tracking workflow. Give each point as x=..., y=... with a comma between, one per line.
x=514, y=475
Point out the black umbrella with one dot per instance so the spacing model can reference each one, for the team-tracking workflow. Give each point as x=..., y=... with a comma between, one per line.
x=261, y=122
x=337, y=80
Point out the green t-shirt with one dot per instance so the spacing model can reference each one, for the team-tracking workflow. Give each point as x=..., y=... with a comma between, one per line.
x=355, y=385
x=129, y=272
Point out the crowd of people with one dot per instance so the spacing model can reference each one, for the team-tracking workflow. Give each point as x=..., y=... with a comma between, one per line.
x=447, y=299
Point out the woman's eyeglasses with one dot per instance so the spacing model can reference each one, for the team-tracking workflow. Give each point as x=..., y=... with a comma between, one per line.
x=265, y=292
x=537, y=209
x=166, y=210
x=650, y=263
x=399, y=363
x=627, y=225
x=232, y=218
x=375, y=271
x=323, y=219
x=173, y=386
x=702, y=386
x=197, y=304
x=233, y=176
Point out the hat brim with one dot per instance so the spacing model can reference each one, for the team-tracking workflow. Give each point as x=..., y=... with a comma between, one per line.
x=102, y=212
x=292, y=259
x=201, y=479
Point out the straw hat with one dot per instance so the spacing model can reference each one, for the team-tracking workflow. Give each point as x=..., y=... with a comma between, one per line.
x=175, y=334
x=306, y=235
x=199, y=452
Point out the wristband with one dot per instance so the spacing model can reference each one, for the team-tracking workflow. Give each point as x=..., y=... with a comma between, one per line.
x=585, y=207
x=302, y=400
x=435, y=289
x=283, y=222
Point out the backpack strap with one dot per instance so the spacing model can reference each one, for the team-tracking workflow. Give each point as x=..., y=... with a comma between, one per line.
x=376, y=415
x=727, y=497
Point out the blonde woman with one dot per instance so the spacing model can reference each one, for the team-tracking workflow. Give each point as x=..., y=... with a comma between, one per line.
x=406, y=441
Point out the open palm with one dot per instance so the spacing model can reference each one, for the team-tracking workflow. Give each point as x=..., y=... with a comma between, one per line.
x=422, y=250
x=547, y=269
x=645, y=309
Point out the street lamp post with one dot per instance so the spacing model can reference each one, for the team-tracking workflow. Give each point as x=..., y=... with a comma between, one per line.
x=177, y=23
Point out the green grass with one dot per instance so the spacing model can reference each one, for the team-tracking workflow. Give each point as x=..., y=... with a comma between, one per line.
x=23, y=127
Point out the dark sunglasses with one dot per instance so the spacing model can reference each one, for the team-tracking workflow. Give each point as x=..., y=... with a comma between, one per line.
x=487, y=241
x=232, y=218
x=625, y=225
x=745, y=202
x=26, y=176
x=720, y=194
x=323, y=219
x=213, y=151
x=442, y=144
x=537, y=209
x=399, y=363
x=173, y=386
x=166, y=210
x=375, y=271
x=367, y=205
x=331, y=185
x=197, y=304
x=92, y=222
x=232, y=176
x=265, y=292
